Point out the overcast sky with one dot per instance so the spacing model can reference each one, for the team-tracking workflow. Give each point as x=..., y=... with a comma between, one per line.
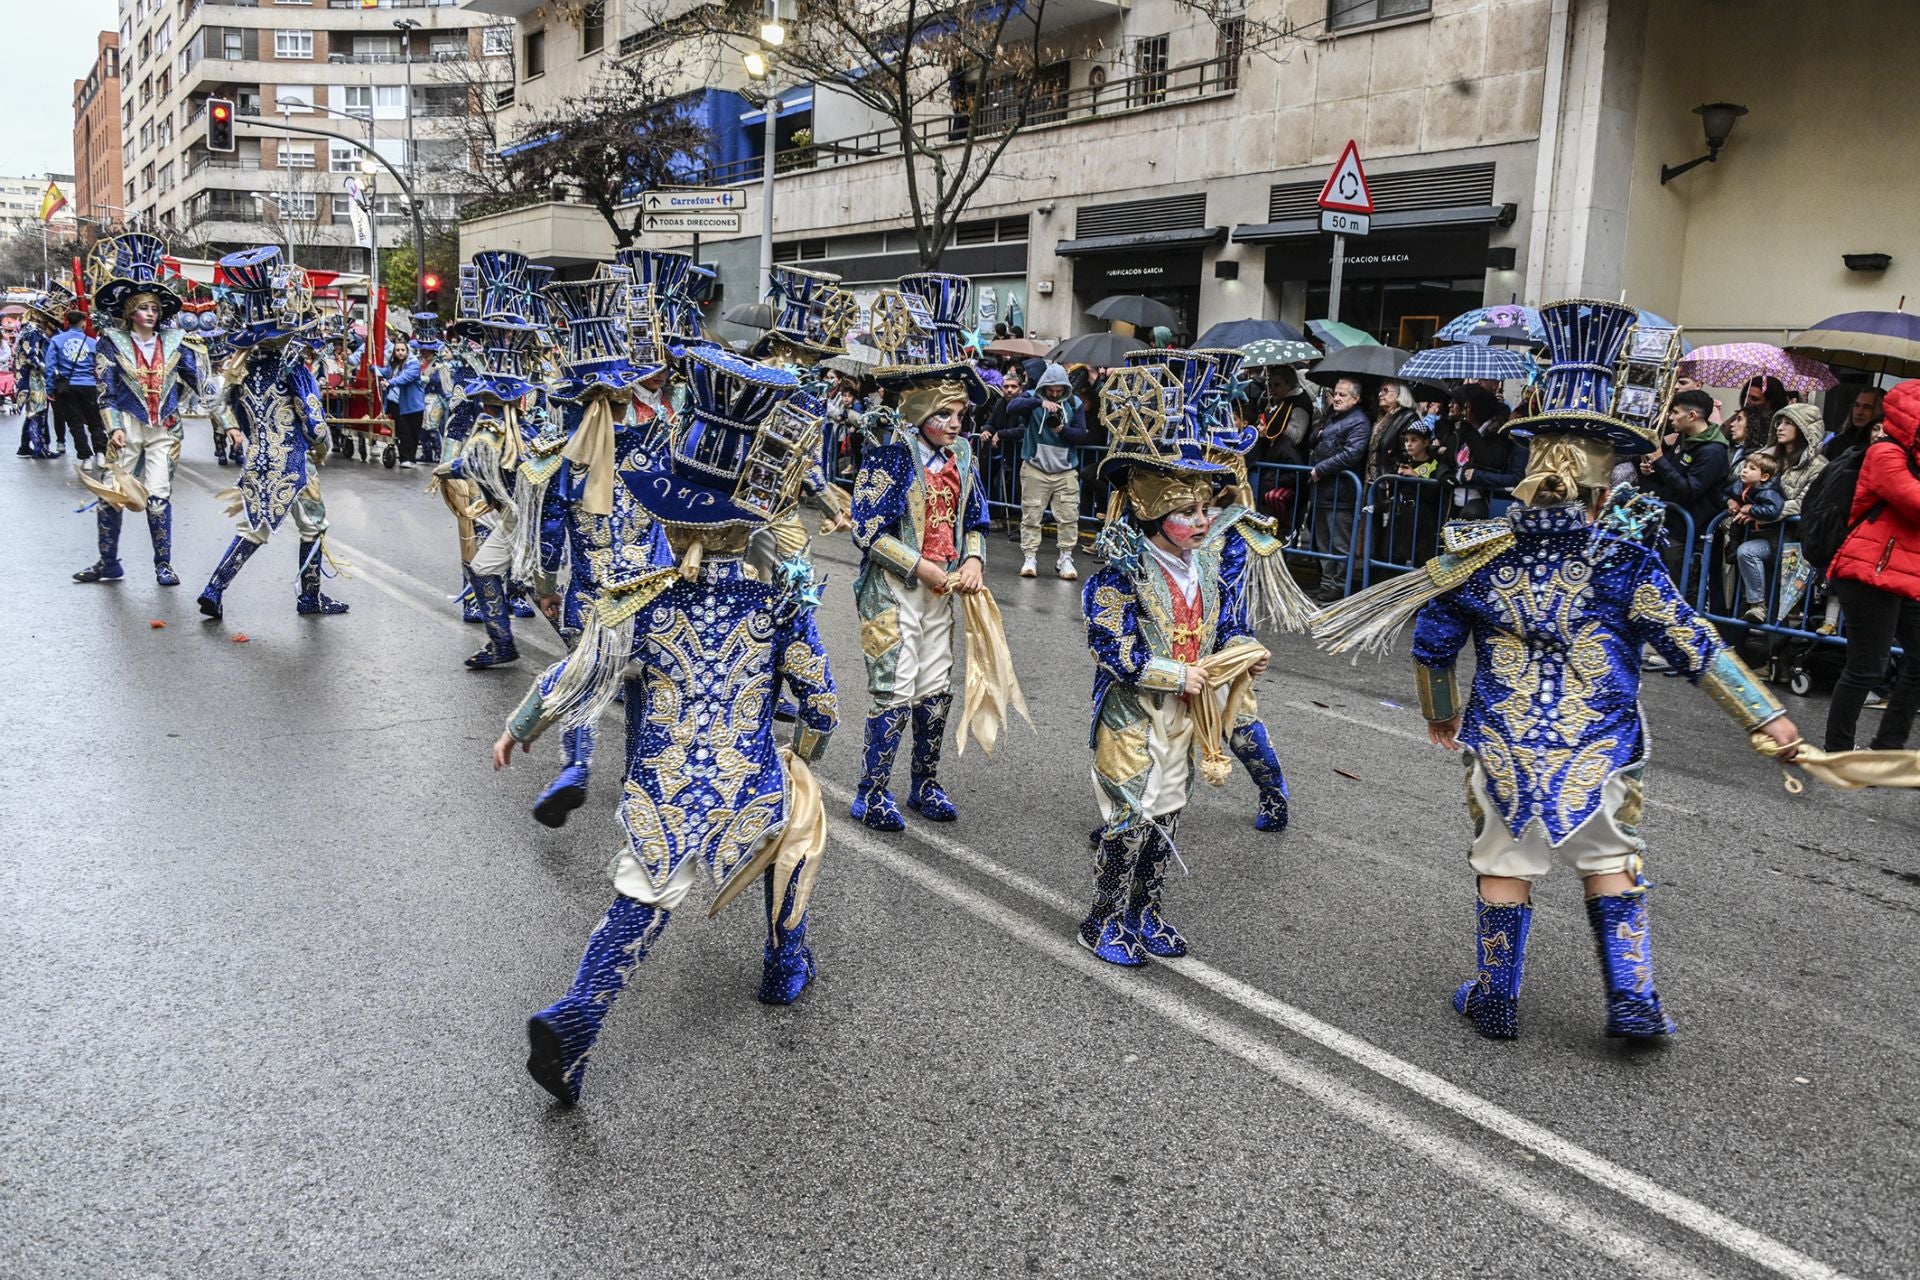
x=49, y=45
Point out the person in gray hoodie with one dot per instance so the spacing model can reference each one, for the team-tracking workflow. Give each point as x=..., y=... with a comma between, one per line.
x=1051, y=424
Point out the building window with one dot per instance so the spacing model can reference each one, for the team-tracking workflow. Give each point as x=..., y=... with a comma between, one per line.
x=146, y=178
x=1342, y=14
x=146, y=91
x=343, y=157
x=163, y=37
x=126, y=154
x=232, y=45
x=593, y=27
x=1149, y=70
x=166, y=177
x=496, y=42
x=534, y=61
x=364, y=98
x=296, y=155
x=293, y=44
x=165, y=86
x=126, y=116
x=295, y=204
x=1229, y=46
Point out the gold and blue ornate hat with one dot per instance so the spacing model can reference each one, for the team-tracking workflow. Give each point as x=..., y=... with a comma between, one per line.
x=426, y=330
x=262, y=299
x=136, y=268
x=1608, y=377
x=595, y=354
x=496, y=301
x=1149, y=430
x=920, y=345
x=802, y=327
x=738, y=454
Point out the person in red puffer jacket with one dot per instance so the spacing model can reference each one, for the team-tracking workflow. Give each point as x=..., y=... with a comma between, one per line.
x=1876, y=575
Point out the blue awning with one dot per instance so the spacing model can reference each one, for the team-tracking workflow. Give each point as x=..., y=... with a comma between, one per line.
x=529, y=144
x=793, y=100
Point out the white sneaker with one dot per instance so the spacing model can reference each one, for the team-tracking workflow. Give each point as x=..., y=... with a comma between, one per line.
x=406, y=466
x=1063, y=568
x=1030, y=567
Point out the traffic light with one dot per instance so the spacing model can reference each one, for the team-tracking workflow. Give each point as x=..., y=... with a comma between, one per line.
x=430, y=289
x=219, y=124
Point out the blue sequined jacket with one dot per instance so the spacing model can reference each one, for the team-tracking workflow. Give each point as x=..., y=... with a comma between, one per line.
x=116, y=368
x=1238, y=535
x=890, y=508
x=708, y=659
x=1558, y=618
x=276, y=405
x=1130, y=622
x=598, y=549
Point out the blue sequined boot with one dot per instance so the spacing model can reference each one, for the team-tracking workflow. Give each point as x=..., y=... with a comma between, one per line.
x=1144, y=921
x=237, y=554
x=1492, y=998
x=1105, y=931
x=1255, y=750
x=568, y=791
x=499, y=649
x=311, y=599
x=107, y=536
x=470, y=610
x=160, y=529
x=1624, y=939
x=929, y=727
x=786, y=964
x=560, y=1036
x=872, y=801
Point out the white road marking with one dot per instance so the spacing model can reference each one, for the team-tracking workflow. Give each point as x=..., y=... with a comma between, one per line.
x=1460, y=1159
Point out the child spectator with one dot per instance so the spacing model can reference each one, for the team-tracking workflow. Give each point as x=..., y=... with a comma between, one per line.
x=1417, y=508
x=1754, y=505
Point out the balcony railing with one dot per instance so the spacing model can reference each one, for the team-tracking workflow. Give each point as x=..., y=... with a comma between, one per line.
x=1174, y=86
x=398, y=59
x=394, y=4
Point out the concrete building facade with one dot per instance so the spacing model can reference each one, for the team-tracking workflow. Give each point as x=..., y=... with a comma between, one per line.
x=340, y=68
x=96, y=138
x=20, y=203
x=1515, y=149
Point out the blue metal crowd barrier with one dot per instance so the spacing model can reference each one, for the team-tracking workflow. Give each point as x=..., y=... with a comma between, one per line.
x=1330, y=507
x=1405, y=512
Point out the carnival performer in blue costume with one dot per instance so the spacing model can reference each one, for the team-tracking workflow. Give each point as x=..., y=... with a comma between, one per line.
x=1165, y=644
x=920, y=521
x=271, y=415
x=587, y=519
x=1558, y=612
x=35, y=398
x=704, y=652
x=1259, y=591
x=477, y=480
x=436, y=383
x=140, y=369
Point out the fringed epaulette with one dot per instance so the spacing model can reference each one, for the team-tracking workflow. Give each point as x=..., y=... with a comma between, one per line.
x=577, y=689
x=1274, y=599
x=1369, y=620
x=542, y=457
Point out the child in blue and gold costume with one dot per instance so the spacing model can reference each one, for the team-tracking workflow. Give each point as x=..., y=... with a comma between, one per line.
x=1558, y=613
x=140, y=368
x=1164, y=640
x=920, y=521
x=704, y=651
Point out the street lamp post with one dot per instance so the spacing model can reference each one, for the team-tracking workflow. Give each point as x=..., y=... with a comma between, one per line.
x=759, y=62
x=406, y=27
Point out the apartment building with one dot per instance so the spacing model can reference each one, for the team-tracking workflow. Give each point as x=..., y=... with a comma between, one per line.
x=402, y=75
x=1517, y=149
x=20, y=203
x=96, y=138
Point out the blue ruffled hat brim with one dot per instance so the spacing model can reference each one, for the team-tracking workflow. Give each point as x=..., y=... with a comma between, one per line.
x=676, y=500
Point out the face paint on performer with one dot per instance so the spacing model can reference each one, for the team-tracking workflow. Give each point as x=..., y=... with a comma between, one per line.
x=942, y=425
x=1184, y=529
x=146, y=318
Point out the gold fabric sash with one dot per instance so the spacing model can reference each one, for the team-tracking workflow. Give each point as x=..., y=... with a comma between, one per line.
x=117, y=489
x=591, y=447
x=794, y=855
x=1846, y=770
x=992, y=687
x=1231, y=667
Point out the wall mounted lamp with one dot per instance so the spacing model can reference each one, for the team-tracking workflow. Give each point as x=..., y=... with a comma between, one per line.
x=1718, y=118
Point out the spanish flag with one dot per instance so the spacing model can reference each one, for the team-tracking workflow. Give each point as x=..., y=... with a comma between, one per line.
x=52, y=202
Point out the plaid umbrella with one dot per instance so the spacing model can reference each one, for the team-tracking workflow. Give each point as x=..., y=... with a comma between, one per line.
x=1339, y=337
x=1271, y=351
x=1469, y=360
x=1872, y=341
x=1734, y=364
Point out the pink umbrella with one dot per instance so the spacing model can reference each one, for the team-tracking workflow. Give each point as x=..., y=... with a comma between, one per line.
x=1734, y=364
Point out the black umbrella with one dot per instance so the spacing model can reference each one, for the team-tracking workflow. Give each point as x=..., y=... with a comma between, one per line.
x=1236, y=334
x=1101, y=350
x=750, y=315
x=1136, y=310
x=1382, y=363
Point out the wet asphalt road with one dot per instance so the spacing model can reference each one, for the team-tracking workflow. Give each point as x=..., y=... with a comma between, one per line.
x=273, y=926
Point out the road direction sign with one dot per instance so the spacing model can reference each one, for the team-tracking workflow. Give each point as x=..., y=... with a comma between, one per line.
x=698, y=222
x=1346, y=187
x=1344, y=224
x=690, y=199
